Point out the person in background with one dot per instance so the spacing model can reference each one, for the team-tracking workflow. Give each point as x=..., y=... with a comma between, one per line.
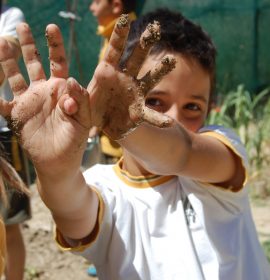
x=17, y=210
x=107, y=13
x=8, y=179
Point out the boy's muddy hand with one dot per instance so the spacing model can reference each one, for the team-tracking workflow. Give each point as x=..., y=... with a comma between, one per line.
x=118, y=95
x=51, y=117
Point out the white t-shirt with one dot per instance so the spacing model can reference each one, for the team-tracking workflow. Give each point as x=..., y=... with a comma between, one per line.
x=9, y=19
x=169, y=227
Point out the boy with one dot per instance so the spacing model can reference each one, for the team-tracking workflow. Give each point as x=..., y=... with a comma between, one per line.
x=174, y=207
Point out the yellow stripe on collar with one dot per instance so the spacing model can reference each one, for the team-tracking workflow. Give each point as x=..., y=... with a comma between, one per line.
x=148, y=181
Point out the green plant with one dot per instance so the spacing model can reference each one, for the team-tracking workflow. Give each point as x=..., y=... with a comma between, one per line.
x=238, y=110
x=266, y=248
x=249, y=115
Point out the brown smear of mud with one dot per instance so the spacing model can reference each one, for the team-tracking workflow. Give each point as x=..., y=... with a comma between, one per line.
x=123, y=21
x=166, y=66
x=15, y=125
x=150, y=35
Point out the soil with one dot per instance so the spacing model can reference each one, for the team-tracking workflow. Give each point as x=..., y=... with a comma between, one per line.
x=150, y=35
x=46, y=262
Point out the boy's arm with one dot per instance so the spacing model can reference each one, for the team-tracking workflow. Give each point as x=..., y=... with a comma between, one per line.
x=52, y=120
x=177, y=151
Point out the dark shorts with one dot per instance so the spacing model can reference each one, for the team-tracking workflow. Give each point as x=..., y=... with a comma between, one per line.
x=18, y=209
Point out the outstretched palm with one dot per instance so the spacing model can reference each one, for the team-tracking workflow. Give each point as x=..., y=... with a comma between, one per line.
x=45, y=131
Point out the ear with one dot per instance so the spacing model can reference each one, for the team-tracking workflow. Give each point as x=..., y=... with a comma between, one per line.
x=117, y=7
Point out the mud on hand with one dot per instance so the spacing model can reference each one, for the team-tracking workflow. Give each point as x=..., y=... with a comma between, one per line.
x=117, y=96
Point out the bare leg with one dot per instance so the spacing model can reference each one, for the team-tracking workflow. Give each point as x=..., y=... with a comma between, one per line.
x=15, y=253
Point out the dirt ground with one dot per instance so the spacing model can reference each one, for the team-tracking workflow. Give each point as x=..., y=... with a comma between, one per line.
x=46, y=262
x=44, y=259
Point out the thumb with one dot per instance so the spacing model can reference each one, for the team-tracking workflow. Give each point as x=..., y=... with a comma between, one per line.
x=75, y=103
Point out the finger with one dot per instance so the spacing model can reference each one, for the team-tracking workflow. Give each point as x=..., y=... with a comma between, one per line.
x=153, y=77
x=11, y=69
x=57, y=54
x=76, y=103
x=30, y=53
x=155, y=118
x=117, y=40
x=70, y=103
x=147, y=39
x=5, y=108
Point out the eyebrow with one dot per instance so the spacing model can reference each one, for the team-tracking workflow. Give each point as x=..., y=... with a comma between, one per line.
x=157, y=92
x=200, y=97
x=194, y=96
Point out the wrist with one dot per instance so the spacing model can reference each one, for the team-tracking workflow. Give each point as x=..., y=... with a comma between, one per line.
x=69, y=190
x=57, y=174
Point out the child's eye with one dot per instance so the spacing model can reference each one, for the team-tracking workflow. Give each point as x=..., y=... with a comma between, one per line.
x=192, y=106
x=152, y=102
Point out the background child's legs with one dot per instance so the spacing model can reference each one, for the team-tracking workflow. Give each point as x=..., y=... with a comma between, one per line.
x=17, y=211
x=15, y=253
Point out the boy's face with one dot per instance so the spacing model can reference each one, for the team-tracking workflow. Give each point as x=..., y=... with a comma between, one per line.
x=102, y=10
x=183, y=94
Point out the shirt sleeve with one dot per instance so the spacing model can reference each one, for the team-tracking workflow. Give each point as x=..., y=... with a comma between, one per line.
x=230, y=139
